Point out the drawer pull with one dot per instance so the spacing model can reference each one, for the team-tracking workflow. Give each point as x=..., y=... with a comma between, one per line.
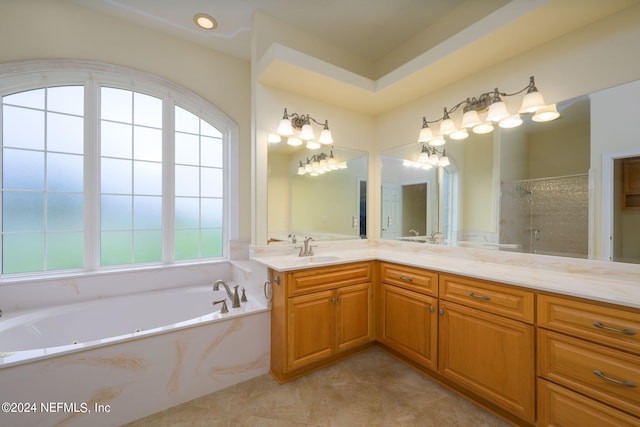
x=622, y=331
x=613, y=380
x=484, y=297
x=406, y=279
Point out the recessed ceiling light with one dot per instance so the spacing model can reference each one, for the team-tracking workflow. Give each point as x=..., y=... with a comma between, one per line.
x=205, y=21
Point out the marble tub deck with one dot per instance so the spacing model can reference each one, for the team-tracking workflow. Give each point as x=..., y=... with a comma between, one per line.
x=370, y=389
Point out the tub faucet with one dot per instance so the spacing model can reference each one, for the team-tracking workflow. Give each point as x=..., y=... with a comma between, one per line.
x=233, y=296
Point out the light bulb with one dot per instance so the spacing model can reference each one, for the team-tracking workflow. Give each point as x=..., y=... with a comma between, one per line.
x=511, y=122
x=459, y=134
x=483, y=128
x=313, y=145
x=437, y=141
x=294, y=142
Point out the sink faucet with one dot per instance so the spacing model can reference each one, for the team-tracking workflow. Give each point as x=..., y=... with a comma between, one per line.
x=307, y=249
x=293, y=238
x=415, y=232
x=232, y=296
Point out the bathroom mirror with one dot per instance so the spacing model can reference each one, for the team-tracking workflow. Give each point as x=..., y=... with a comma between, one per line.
x=523, y=189
x=325, y=206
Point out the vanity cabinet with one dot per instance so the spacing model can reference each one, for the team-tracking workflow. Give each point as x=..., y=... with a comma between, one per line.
x=486, y=341
x=319, y=314
x=408, y=312
x=588, y=363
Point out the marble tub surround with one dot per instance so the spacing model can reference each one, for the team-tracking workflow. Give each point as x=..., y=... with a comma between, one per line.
x=370, y=389
x=596, y=280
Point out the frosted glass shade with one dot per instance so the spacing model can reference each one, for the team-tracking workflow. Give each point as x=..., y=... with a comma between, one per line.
x=306, y=133
x=483, y=128
x=532, y=102
x=497, y=112
x=325, y=137
x=444, y=161
x=470, y=119
x=425, y=134
x=447, y=126
x=285, y=128
x=437, y=141
x=511, y=122
x=546, y=114
x=313, y=145
x=294, y=142
x=459, y=134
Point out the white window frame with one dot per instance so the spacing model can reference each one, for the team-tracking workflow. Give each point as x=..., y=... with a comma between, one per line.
x=27, y=75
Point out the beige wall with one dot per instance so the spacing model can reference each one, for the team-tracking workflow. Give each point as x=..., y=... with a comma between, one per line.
x=56, y=29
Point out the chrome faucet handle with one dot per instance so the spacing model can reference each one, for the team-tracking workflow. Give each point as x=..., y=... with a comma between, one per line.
x=301, y=252
x=224, y=308
x=243, y=298
x=310, y=252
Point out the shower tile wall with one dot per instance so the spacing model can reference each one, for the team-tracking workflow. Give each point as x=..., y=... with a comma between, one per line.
x=546, y=216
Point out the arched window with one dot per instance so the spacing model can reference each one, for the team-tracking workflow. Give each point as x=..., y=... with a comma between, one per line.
x=104, y=166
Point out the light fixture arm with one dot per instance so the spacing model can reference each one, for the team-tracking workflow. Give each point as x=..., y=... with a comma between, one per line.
x=299, y=120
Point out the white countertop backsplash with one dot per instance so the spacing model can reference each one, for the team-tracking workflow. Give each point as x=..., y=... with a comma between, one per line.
x=610, y=282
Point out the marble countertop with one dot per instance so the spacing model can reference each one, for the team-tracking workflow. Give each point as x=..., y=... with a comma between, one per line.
x=596, y=280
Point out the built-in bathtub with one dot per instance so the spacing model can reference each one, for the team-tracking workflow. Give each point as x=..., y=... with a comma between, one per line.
x=113, y=360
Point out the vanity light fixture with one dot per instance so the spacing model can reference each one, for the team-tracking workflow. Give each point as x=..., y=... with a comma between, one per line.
x=320, y=163
x=496, y=113
x=428, y=158
x=204, y=21
x=297, y=128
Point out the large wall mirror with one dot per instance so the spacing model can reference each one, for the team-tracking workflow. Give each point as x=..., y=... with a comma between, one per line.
x=524, y=189
x=319, y=193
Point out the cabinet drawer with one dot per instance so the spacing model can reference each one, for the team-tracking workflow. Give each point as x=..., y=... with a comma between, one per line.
x=412, y=278
x=607, y=375
x=498, y=299
x=323, y=278
x=558, y=406
x=604, y=325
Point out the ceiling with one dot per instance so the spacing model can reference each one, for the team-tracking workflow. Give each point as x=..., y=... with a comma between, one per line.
x=447, y=40
x=367, y=28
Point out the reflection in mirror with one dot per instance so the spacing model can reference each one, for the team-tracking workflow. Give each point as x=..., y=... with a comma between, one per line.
x=325, y=206
x=523, y=189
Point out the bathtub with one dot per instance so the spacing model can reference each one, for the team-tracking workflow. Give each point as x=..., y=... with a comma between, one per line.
x=110, y=361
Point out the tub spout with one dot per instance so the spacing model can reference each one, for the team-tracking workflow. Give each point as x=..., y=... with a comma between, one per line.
x=232, y=296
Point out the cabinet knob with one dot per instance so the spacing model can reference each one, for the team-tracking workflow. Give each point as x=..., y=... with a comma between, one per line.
x=431, y=309
x=333, y=300
x=441, y=312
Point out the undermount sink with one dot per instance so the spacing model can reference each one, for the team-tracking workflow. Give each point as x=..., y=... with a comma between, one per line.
x=318, y=259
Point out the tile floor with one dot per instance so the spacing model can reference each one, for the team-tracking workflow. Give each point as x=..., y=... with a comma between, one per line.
x=371, y=389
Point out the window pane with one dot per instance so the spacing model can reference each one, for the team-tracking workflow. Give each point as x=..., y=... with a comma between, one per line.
x=64, y=250
x=147, y=212
x=211, y=182
x=147, y=178
x=147, y=110
x=187, y=150
x=64, y=212
x=116, y=105
x=187, y=181
x=22, y=211
x=187, y=212
x=23, y=170
x=211, y=243
x=211, y=213
x=187, y=244
x=148, y=246
x=30, y=98
x=65, y=133
x=116, y=176
x=115, y=248
x=208, y=130
x=116, y=212
x=66, y=99
x=212, y=152
x=64, y=172
x=186, y=121
x=22, y=253
x=147, y=144
x=16, y=132
x=116, y=140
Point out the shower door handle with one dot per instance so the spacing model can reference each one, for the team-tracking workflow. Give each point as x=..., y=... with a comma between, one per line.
x=536, y=234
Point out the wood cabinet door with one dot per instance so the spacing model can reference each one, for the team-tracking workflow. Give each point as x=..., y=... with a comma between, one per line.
x=311, y=327
x=489, y=354
x=354, y=326
x=409, y=324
